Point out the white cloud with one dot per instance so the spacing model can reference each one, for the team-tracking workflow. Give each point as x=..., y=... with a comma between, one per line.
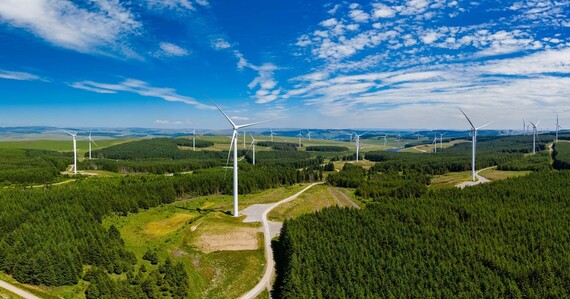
x=161, y=121
x=240, y=118
x=21, y=76
x=176, y=4
x=169, y=49
x=99, y=27
x=359, y=16
x=220, y=44
x=141, y=88
x=334, y=9
x=430, y=37
x=329, y=22
x=382, y=11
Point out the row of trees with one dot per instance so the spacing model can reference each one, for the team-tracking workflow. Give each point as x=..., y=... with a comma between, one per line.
x=561, y=155
x=154, y=148
x=505, y=239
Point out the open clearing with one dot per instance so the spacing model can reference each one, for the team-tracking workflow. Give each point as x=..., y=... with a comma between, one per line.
x=494, y=174
x=449, y=179
x=312, y=200
x=166, y=226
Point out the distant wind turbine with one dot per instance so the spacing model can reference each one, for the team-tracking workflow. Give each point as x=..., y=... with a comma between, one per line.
x=357, y=141
x=271, y=135
x=309, y=134
x=534, y=133
x=441, y=139
x=474, y=143
x=558, y=127
x=435, y=143
x=194, y=139
x=252, y=145
x=74, y=135
x=234, y=145
x=385, y=136
x=91, y=141
x=524, y=128
x=300, y=135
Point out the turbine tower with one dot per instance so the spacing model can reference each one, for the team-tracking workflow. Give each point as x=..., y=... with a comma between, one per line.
x=441, y=140
x=271, y=135
x=309, y=134
x=385, y=136
x=74, y=135
x=435, y=143
x=474, y=143
x=300, y=135
x=558, y=127
x=357, y=141
x=252, y=145
x=534, y=132
x=194, y=139
x=524, y=128
x=234, y=145
x=90, y=141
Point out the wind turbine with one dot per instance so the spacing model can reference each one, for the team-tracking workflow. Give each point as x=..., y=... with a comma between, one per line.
x=90, y=141
x=441, y=140
x=194, y=139
x=300, y=135
x=534, y=132
x=357, y=141
x=474, y=143
x=309, y=134
x=74, y=135
x=252, y=145
x=435, y=143
x=524, y=128
x=271, y=135
x=385, y=139
x=558, y=127
x=234, y=145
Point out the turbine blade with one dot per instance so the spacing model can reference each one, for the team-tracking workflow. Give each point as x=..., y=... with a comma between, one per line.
x=538, y=122
x=472, y=126
x=532, y=124
x=227, y=117
x=484, y=125
x=94, y=142
x=229, y=153
x=257, y=123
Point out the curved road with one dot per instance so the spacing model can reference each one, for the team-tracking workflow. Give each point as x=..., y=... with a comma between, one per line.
x=265, y=281
x=14, y=289
x=480, y=179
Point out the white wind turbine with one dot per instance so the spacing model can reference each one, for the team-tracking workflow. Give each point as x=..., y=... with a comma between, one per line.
x=435, y=143
x=234, y=145
x=534, y=132
x=194, y=139
x=90, y=141
x=252, y=145
x=474, y=143
x=357, y=141
x=300, y=135
x=385, y=136
x=558, y=127
x=441, y=140
x=271, y=135
x=309, y=134
x=74, y=135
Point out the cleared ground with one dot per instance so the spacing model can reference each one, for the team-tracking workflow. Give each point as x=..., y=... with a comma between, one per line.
x=450, y=179
x=312, y=200
x=494, y=174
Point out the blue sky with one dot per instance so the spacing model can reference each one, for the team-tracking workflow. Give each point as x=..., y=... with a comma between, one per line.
x=321, y=64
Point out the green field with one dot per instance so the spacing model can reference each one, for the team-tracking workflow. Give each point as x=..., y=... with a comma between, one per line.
x=449, y=179
x=494, y=174
x=312, y=200
x=61, y=145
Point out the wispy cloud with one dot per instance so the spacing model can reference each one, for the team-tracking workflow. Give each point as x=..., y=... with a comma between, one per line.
x=141, y=88
x=176, y=4
x=21, y=76
x=220, y=43
x=172, y=50
x=99, y=26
